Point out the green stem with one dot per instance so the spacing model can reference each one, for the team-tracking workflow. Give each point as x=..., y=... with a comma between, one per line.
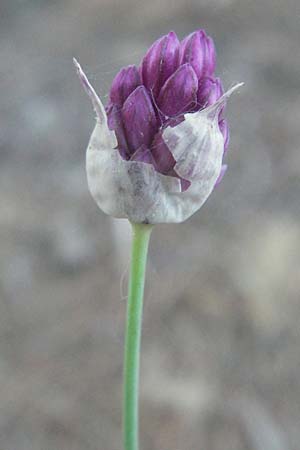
x=140, y=242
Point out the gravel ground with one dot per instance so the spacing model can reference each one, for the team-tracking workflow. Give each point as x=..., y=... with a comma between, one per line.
x=221, y=362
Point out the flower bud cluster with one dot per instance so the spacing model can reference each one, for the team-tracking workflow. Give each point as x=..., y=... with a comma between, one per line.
x=157, y=149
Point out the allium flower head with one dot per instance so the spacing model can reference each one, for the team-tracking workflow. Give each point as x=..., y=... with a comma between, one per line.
x=156, y=152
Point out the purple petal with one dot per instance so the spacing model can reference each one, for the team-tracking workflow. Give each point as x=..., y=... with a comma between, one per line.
x=198, y=49
x=123, y=84
x=224, y=128
x=160, y=61
x=210, y=90
x=222, y=173
x=179, y=93
x=139, y=119
x=164, y=161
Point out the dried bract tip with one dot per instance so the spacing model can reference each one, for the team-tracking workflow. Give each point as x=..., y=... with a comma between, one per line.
x=215, y=109
x=97, y=104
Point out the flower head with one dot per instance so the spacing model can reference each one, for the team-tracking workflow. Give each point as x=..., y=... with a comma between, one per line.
x=157, y=149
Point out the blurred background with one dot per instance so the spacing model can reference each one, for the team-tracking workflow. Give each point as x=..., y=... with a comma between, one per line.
x=221, y=337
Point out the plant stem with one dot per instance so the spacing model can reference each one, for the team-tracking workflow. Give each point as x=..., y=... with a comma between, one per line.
x=139, y=250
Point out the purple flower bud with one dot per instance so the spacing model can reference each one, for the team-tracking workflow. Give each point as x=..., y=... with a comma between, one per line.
x=198, y=50
x=123, y=84
x=160, y=61
x=139, y=119
x=115, y=122
x=164, y=161
x=179, y=93
x=210, y=90
x=157, y=150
